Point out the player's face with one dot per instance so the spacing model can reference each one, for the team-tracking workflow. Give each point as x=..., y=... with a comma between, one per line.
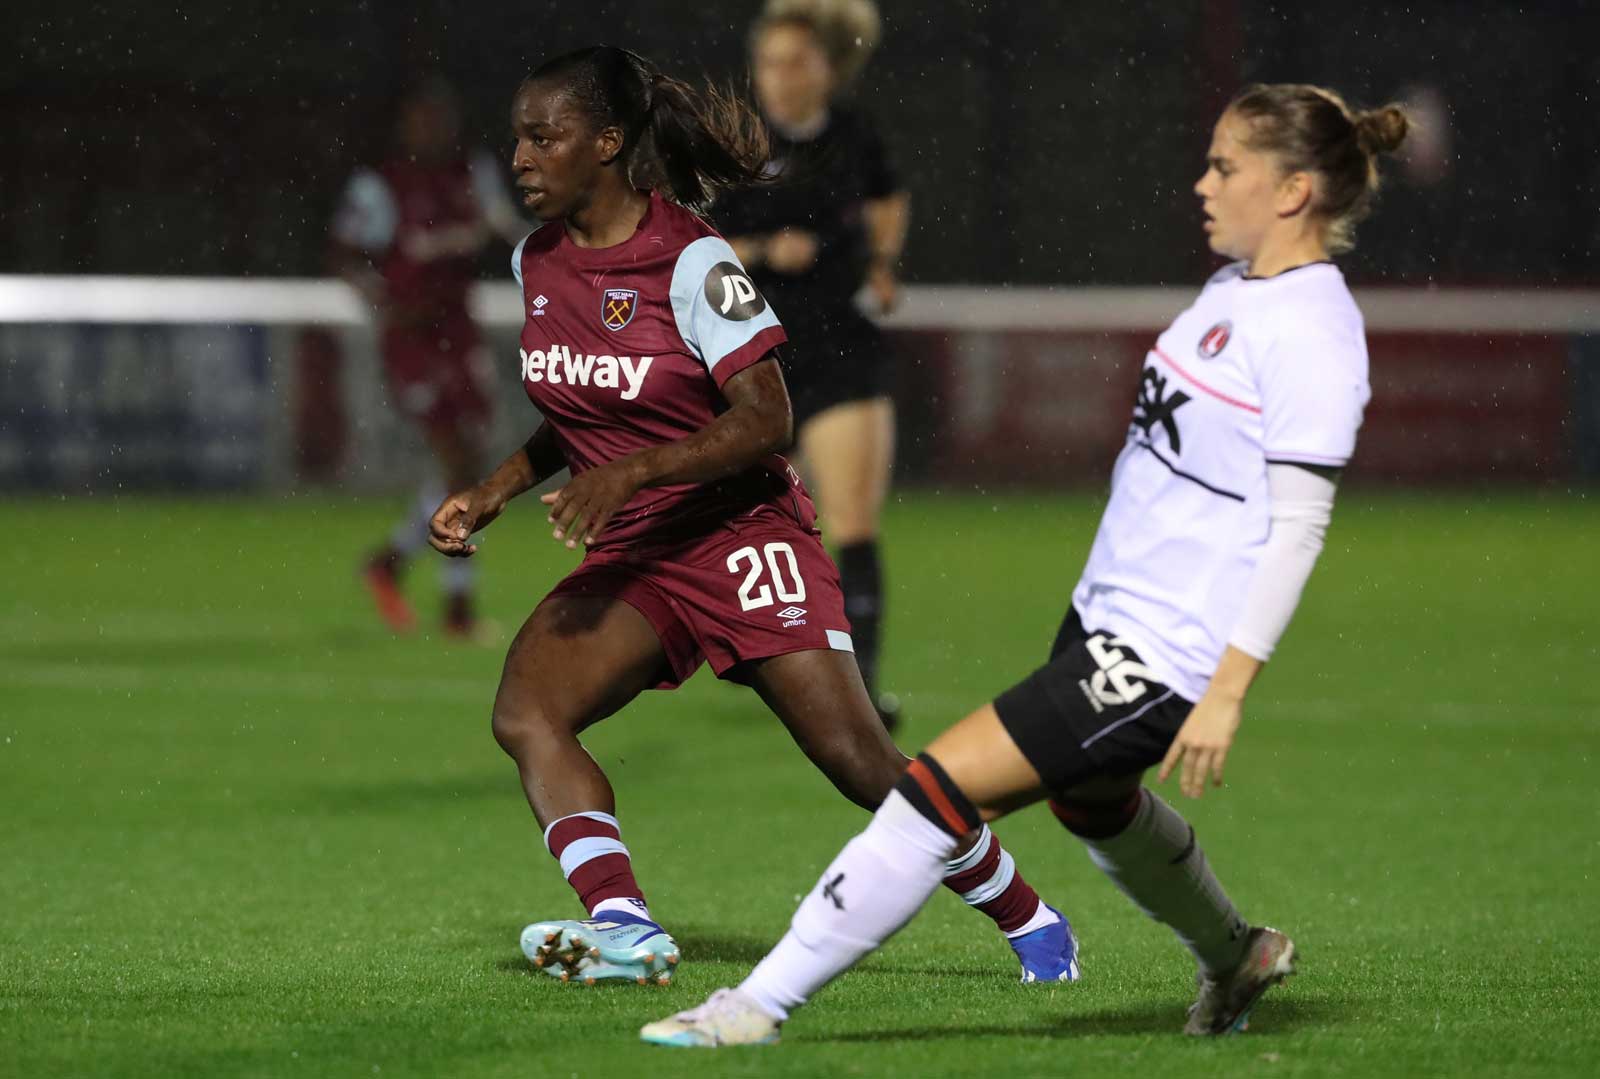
x=792, y=75
x=1238, y=192
x=558, y=155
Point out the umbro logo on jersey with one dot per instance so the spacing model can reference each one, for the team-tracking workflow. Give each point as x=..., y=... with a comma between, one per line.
x=539, y=304
x=617, y=306
x=1215, y=340
x=561, y=364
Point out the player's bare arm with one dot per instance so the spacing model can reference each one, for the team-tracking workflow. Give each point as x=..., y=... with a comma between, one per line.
x=758, y=422
x=463, y=513
x=1201, y=747
x=356, y=268
x=888, y=220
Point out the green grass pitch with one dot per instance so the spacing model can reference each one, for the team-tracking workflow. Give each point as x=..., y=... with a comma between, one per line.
x=243, y=831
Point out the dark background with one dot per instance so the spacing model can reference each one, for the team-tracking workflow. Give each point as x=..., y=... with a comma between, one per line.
x=1042, y=142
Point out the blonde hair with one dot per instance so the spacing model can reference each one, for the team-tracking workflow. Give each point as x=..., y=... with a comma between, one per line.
x=1311, y=129
x=847, y=30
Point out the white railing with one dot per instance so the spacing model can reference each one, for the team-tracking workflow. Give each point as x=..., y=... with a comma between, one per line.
x=303, y=301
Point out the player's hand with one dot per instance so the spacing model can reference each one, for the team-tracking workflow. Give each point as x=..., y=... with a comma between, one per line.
x=581, y=509
x=791, y=251
x=1202, y=744
x=885, y=287
x=458, y=517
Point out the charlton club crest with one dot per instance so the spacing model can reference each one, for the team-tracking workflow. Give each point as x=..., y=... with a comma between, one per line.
x=617, y=307
x=1215, y=340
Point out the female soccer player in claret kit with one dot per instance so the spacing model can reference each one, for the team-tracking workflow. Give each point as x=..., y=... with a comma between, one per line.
x=653, y=360
x=1247, y=409
x=406, y=237
x=833, y=220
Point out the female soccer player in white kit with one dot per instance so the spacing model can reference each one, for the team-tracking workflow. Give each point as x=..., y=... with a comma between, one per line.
x=1247, y=408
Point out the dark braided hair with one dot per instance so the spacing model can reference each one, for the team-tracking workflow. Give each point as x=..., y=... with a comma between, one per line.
x=690, y=144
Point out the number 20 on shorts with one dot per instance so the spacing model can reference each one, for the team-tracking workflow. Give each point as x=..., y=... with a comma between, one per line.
x=748, y=560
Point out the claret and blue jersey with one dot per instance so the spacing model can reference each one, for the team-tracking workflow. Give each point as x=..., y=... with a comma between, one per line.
x=627, y=347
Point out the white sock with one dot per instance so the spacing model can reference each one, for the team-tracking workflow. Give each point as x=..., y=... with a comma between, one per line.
x=881, y=878
x=1157, y=864
x=1042, y=916
x=624, y=906
x=411, y=534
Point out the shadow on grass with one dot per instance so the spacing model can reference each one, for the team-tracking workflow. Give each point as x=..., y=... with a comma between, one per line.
x=696, y=945
x=1151, y=1017
x=700, y=945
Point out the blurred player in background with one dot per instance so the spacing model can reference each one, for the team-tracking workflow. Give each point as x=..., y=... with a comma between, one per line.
x=1247, y=409
x=834, y=220
x=407, y=236
x=654, y=362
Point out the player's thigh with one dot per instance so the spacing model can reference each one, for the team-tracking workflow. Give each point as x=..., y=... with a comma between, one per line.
x=849, y=454
x=986, y=764
x=575, y=661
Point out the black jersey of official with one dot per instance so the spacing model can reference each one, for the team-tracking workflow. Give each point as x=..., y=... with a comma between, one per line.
x=820, y=186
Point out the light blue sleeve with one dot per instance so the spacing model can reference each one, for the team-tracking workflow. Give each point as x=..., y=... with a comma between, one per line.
x=721, y=316
x=516, y=258
x=367, y=216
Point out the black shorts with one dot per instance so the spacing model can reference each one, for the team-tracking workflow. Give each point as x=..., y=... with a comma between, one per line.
x=847, y=363
x=1094, y=710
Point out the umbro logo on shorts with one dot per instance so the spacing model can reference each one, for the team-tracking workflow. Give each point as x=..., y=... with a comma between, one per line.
x=791, y=612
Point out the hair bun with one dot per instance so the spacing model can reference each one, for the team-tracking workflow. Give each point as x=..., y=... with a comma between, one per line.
x=1382, y=130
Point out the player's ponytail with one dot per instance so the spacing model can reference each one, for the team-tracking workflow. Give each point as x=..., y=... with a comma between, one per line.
x=1311, y=129
x=701, y=142
x=689, y=144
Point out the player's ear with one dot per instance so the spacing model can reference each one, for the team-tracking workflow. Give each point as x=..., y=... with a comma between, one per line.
x=1294, y=193
x=608, y=142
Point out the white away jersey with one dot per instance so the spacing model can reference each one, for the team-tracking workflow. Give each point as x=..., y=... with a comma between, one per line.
x=1255, y=371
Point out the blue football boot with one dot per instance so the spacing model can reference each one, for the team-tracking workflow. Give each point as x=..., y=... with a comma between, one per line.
x=1049, y=954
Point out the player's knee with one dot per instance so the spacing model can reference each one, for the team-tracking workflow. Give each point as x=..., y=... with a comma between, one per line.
x=932, y=793
x=523, y=722
x=1097, y=818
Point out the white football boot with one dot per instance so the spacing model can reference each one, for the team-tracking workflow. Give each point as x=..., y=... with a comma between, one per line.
x=727, y=1018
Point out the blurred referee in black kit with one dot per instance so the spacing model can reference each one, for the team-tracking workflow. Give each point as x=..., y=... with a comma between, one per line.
x=834, y=220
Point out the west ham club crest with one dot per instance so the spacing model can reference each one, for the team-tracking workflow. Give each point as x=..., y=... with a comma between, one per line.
x=617, y=306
